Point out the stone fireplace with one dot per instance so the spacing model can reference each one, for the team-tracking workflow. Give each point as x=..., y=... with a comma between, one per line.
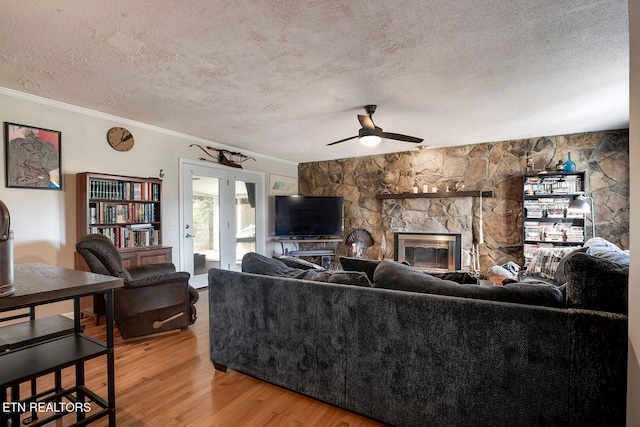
x=495, y=166
x=429, y=251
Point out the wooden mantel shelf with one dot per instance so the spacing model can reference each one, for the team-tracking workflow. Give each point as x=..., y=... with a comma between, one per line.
x=435, y=195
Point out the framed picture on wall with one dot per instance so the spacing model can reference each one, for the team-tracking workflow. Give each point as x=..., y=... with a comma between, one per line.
x=282, y=185
x=33, y=157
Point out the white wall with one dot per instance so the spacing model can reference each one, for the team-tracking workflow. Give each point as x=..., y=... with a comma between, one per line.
x=44, y=221
x=633, y=395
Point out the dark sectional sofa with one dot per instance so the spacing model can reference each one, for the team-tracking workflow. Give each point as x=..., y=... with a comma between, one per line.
x=430, y=351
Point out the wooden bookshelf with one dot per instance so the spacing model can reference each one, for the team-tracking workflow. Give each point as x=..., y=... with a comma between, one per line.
x=125, y=209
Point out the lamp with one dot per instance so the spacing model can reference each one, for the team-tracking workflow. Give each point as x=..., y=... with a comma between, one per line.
x=584, y=204
x=369, y=137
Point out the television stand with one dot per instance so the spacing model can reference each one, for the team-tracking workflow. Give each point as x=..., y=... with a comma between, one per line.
x=312, y=252
x=328, y=247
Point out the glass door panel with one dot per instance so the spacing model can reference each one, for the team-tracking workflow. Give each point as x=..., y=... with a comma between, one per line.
x=206, y=224
x=202, y=214
x=245, y=203
x=223, y=217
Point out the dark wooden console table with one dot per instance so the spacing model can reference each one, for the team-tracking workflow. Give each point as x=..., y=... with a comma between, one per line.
x=48, y=345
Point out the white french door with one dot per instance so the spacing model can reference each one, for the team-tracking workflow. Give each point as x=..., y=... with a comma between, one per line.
x=222, y=217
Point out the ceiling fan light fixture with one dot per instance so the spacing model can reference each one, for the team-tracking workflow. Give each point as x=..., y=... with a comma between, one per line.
x=370, y=134
x=370, y=140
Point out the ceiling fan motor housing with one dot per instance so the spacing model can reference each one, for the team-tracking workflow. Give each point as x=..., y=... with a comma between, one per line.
x=370, y=109
x=368, y=132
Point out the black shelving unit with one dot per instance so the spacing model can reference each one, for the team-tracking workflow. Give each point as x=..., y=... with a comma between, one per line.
x=39, y=347
x=546, y=222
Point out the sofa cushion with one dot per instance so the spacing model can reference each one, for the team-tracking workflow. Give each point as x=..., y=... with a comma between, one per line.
x=296, y=262
x=259, y=264
x=356, y=278
x=559, y=277
x=392, y=275
x=461, y=277
x=595, y=283
x=368, y=266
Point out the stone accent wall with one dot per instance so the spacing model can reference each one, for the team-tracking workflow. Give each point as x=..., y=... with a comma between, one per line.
x=497, y=166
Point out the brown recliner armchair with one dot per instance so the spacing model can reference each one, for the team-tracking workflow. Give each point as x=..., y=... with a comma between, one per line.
x=155, y=298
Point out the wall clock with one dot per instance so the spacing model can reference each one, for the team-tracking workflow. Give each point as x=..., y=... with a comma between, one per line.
x=120, y=139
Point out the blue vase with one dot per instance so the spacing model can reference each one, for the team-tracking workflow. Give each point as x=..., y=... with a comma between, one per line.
x=569, y=166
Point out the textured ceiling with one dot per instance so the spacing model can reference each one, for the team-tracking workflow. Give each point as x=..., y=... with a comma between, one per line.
x=284, y=78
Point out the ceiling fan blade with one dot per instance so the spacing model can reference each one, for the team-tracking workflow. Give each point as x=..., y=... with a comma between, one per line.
x=366, y=122
x=399, y=137
x=342, y=140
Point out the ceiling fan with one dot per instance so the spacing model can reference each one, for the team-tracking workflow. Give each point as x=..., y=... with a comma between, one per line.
x=371, y=135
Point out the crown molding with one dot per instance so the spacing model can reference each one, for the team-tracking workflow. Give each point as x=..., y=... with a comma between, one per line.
x=129, y=122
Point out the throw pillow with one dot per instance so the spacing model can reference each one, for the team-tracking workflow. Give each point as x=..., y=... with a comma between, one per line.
x=545, y=262
x=296, y=262
x=259, y=264
x=367, y=266
x=595, y=283
x=602, y=248
x=355, y=278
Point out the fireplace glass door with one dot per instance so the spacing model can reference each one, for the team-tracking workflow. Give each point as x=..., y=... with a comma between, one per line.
x=429, y=251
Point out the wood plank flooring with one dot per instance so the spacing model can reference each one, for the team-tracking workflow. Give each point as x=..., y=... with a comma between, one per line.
x=170, y=381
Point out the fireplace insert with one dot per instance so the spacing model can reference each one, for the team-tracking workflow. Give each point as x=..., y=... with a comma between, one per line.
x=429, y=251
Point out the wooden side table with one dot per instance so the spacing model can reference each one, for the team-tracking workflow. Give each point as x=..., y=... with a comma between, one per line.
x=498, y=279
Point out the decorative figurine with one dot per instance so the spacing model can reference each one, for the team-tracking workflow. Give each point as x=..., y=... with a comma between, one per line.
x=530, y=163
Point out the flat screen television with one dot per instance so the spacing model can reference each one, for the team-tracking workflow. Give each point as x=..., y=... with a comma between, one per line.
x=309, y=216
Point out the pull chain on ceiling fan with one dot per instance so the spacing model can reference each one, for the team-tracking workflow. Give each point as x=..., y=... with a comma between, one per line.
x=371, y=135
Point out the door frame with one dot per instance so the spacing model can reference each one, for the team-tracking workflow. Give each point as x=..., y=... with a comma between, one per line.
x=231, y=174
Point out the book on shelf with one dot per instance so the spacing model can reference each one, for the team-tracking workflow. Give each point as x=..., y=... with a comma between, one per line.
x=124, y=190
x=93, y=218
x=129, y=236
x=107, y=213
x=553, y=184
x=140, y=226
x=122, y=214
x=574, y=234
x=555, y=212
x=552, y=232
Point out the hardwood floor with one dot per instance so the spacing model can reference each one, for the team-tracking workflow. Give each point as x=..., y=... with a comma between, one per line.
x=170, y=381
